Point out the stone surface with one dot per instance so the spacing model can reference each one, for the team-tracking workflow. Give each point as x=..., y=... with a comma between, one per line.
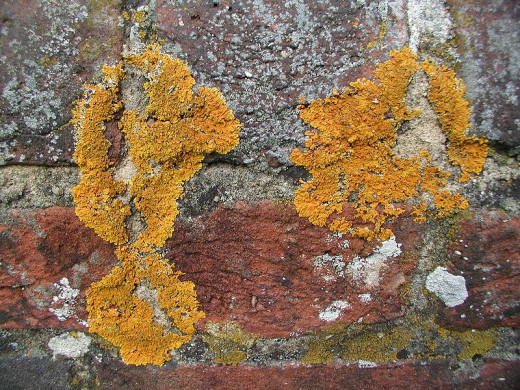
x=48, y=260
x=276, y=290
x=489, y=45
x=434, y=375
x=49, y=49
x=274, y=273
x=34, y=373
x=486, y=251
x=265, y=54
x=30, y=187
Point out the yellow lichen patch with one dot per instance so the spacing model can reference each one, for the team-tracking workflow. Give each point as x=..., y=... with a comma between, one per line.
x=229, y=342
x=349, y=151
x=378, y=347
x=476, y=342
x=96, y=194
x=128, y=321
x=415, y=336
x=447, y=95
x=168, y=144
x=141, y=306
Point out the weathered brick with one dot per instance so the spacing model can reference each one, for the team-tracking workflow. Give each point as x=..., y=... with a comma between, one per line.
x=38, y=250
x=488, y=43
x=34, y=373
x=49, y=49
x=490, y=374
x=259, y=264
x=265, y=55
x=274, y=273
x=486, y=252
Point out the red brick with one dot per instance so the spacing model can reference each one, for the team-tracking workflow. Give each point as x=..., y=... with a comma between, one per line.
x=489, y=260
x=492, y=374
x=38, y=249
x=255, y=265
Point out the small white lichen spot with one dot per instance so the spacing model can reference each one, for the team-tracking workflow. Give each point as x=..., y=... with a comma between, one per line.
x=66, y=298
x=334, y=265
x=333, y=311
x=366, y=364
x=367, y=270
x=69, y=346
x=365, y=297
x=451, y=289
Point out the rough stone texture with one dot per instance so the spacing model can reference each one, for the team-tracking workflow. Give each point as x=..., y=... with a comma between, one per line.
x=259, y=264
x=29, y=187
x=489, y=45
x=274, y=273
x=486, y=252
x=34, y=373
x=265, y=54
x=49, y=49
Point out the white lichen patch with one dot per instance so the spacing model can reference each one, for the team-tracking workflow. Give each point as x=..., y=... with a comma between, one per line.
x=66, y=300
x=428, y=20
x=333, y=311
x=365, y=297
x=366, y=364
x=332, y=266
x=451, y=289
x=366, y=271
x=71, y=346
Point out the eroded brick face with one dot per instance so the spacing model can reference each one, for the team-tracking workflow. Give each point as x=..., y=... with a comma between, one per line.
x=276, y=274
x=391, y=376
x=486, y=251
x=258, y=264
x=39, y=249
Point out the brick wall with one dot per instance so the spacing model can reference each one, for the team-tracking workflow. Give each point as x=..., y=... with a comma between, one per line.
x=287, y=303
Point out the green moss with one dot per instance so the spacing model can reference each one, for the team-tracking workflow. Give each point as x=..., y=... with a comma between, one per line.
x=320, y=350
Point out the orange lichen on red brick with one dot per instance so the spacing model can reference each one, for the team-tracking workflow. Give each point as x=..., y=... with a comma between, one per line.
x=166, y=144
x=349, y=151
x=120, y=315
x=96, y=194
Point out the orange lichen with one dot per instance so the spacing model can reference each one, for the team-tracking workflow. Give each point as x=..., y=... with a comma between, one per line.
x=120, y=315
x=350, y=156
x=141, y=306
x=454, y=113
x=96, y=194
x=178, y=138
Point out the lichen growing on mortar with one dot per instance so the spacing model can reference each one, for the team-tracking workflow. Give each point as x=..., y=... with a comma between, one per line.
x=349, y=152
x=415, y=336
x=142, y=306
x=228, y=342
